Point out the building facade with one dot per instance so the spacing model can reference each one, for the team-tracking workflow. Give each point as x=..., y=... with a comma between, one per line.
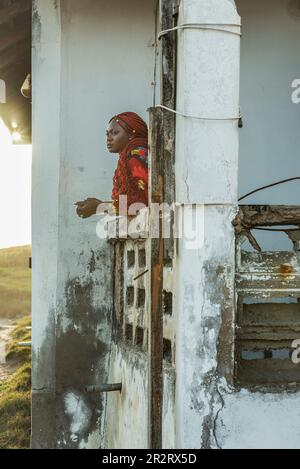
x=195, y=333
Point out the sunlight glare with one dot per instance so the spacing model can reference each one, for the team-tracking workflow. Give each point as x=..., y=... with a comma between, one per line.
x=16, y=136
x=15, y=191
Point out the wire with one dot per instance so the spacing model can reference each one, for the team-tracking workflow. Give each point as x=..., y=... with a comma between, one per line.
x=198, y=117
x=276, y=229
x=203, y=27
x=269, y=185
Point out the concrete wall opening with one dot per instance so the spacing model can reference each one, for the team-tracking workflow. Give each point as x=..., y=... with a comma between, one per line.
x=91, y=61
x=270, y=62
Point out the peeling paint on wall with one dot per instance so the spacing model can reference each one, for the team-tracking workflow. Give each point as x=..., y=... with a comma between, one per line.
x=78, y=413
x=36, y=24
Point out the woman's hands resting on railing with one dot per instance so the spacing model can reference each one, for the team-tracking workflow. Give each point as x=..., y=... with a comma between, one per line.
x=88, y=207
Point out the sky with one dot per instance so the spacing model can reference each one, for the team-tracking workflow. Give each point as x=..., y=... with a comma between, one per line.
x=15, y=191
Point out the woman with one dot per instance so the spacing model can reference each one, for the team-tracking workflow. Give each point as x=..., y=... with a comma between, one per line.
x=127, y=134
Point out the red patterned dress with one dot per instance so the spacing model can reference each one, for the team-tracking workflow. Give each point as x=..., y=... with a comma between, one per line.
x=131, y=177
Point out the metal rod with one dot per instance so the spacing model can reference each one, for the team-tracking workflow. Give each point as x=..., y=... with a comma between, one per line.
x=140, y=275
x=24, y=344
x=104, y=387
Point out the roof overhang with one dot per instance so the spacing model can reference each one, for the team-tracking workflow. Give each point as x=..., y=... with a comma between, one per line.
x=15, y=65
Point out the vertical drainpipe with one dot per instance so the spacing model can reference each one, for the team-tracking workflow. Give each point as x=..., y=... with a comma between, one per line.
x=206, y=172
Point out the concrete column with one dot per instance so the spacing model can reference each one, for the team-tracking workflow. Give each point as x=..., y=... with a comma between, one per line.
x=45, y=204
x=206, y=176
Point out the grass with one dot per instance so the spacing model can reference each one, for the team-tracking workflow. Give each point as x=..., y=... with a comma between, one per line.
x=15, y=282
x=15, y=422
x=15, y=391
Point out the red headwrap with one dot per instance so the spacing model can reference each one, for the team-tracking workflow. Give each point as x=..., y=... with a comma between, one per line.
x=133, y=124
x=124, y=183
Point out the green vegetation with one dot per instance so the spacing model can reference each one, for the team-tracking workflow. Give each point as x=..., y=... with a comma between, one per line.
x=15, y=282
x=15, y=391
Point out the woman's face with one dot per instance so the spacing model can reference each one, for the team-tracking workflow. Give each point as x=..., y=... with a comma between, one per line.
x=116, y=137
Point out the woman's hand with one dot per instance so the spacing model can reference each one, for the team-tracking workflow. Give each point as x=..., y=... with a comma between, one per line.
x=87, y=207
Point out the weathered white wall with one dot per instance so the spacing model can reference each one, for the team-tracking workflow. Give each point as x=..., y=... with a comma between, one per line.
x=92, y=60
x=127, y=423
x=259, y=420
x=269, y=147
x=209, y=411
x=206, y=173
x=204, y=302
x=206, y=152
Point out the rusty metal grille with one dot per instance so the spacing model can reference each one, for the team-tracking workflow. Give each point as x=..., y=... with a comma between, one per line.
x=132, y=297
x=267, y=315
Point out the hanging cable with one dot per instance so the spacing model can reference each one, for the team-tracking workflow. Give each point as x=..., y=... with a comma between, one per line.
x=210, y=27
x=276, y=229
x=155, y=52
x=203, y=26
x=198, y=117
x=269, y=185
